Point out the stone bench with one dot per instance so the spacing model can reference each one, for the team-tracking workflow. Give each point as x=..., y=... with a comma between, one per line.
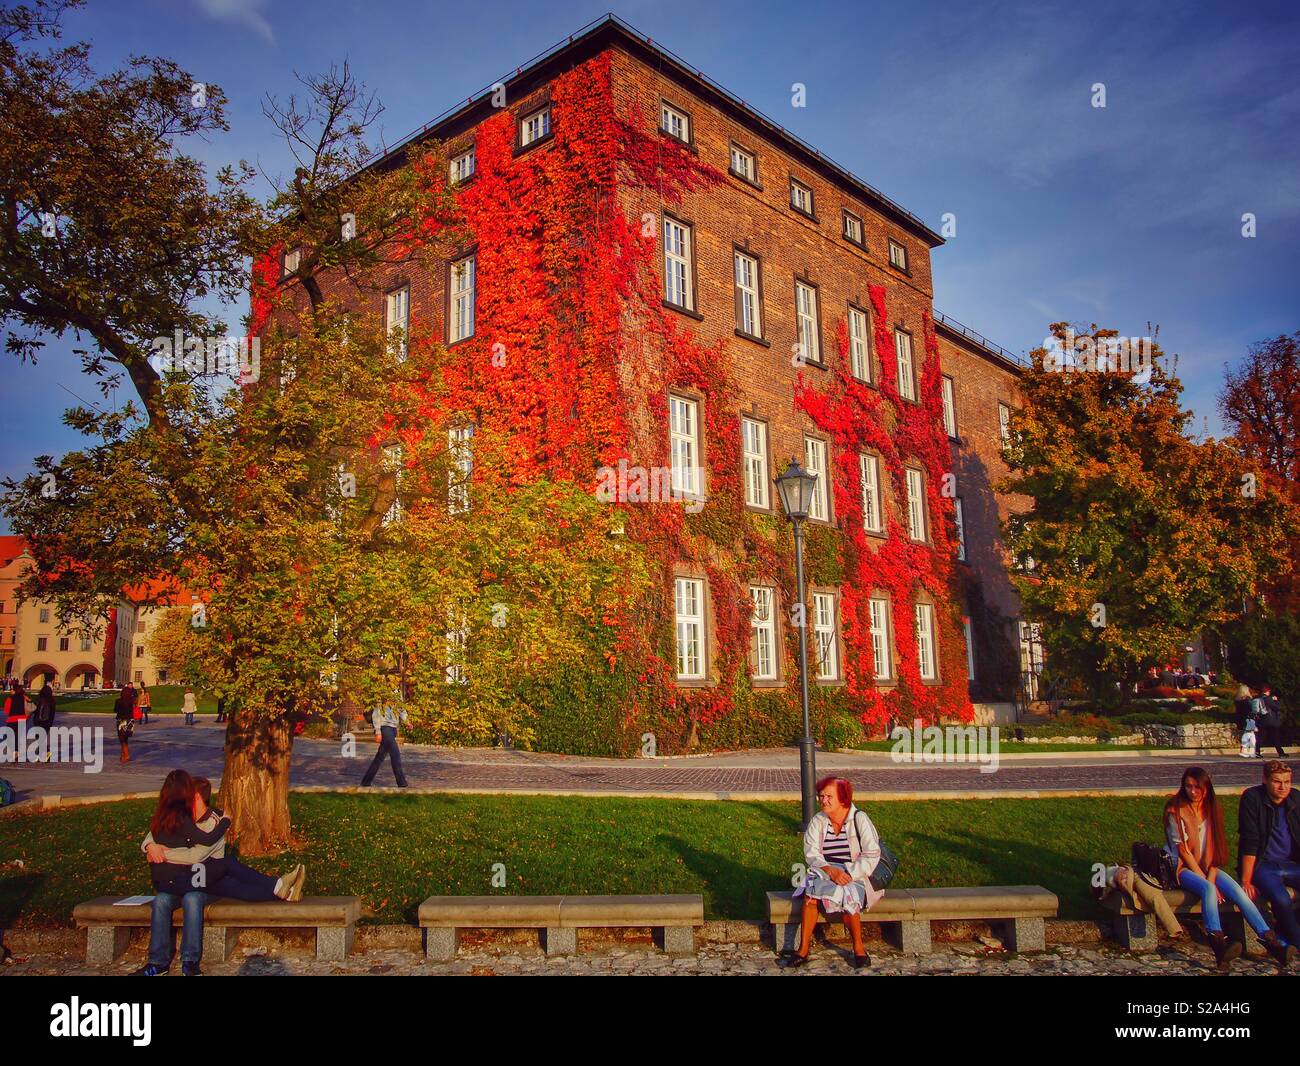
x=1136, y=929
x=1020, y=909
x=108, y=927
x=673, y=919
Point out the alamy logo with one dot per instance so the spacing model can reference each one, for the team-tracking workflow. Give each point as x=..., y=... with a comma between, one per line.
x=60, y=743
x=1099, y=355
x=237, y=357
x=935, y=743
x=103, y=1019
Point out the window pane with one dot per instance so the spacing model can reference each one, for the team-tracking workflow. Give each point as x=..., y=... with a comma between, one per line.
x=880, y=638
x=690, y=628
x=683, y=432
x=949, y=409
x=903, y=346
x=754, y=439
x=806, y=316
x=828, y=667
x=815, y=461
x=915, y=505
x=763, y=625
x=872, y=511
x=859, y=351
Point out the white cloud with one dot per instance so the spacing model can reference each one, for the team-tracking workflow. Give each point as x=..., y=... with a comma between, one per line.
x=242, y=12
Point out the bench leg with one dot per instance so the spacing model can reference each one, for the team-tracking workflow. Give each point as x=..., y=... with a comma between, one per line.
x=1026, y=934
x=106, y=943
x=440, y=943
x=218, y=942
x=785, y=936
x=914, y=937
x=677, y=939
x=1135, y=933
x=334, y=942
x=561, y=941
x=1237, y=928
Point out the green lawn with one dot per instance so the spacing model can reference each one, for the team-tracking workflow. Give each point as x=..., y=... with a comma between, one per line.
x=394, y=851
x=166, y=699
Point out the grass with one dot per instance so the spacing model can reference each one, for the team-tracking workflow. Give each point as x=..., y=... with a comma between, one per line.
x=394, y=851
x=167, y=699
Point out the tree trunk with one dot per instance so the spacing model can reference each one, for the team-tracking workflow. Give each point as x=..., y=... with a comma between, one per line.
x=255, y=782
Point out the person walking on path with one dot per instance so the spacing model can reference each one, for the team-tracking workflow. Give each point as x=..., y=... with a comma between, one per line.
x=221, y=708
x=1268, y=824
x=190, y=705
x=43, y=716
x=1242, y=708
x=1194, y=831
x=1270, y=722
x=124, y=713
x=16, y=703
x=385, y=720
x=145, y=703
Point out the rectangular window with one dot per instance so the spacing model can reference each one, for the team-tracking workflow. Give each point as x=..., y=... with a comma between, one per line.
x=85, y=644
x=873, y=513
x=162, y=677
x=806, y=314
x=690, y=629
x=397, y=319
x=949, y=408
x=801, y=197
x=139, y=676
x=140, y=626
x=460, y=449
x=970, y=649
x=815, y=463
x=675, y=123
x=392, y=463
x=960, y=519
x=139, y=651
x=679, y=289
x=903, y=348
x=926, y=663
x=749, y=314
x=64, y=644
x=754, y=441
x=881, y=656
x=828, y=652
x=291, y=261
x=853, y=228
x=915, y=504
x=1004, y=425
x=457, y=643
x=535, y=126
x=41, y=643
x=45, y=614
x=859, y=346
x=684, y=445
x=763, y=630
x=461, y=319
x=462, y=167
x=743, y=164
x=1032, y=657
x=897, y=255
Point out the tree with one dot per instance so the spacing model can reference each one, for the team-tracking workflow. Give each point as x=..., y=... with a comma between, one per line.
x=1139, y=537
x=1260, y=403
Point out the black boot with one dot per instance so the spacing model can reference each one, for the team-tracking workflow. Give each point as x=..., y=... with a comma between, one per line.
x=1225, y=950
x=1283, y=954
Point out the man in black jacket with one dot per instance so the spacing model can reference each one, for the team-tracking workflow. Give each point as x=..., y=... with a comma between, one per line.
x=1270, y=726
x=1268, y=823
x=44, y=714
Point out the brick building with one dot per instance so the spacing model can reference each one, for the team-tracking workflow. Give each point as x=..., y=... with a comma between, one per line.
x=790, y=314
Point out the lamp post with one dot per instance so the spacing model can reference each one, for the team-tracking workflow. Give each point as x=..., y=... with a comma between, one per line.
x=796, y=487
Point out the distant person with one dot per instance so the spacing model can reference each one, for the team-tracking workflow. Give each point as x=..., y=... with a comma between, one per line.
x=1270, y=724
x=189, y=705
x=1268, y=824
x=221, y=708
x=124, y=713
x=16, y=703
x=842, y=849
x=1194, y=831
x=1241, y=707
x=145, y=703
x=385, y=720
x=43, y=716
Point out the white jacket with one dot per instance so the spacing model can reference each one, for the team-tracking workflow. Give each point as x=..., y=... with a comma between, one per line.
x=864, y=843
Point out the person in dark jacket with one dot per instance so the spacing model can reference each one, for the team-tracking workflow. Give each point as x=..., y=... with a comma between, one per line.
x=1268, y=824
x=124, y=713
x=44, y=714
x=1270, y=722
x=1241, y=707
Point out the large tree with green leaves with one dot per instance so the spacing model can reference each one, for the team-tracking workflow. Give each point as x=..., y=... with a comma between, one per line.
x=1138, y=537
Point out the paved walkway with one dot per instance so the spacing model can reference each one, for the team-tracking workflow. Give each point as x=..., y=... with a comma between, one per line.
x=167, y=743
x=712, y=959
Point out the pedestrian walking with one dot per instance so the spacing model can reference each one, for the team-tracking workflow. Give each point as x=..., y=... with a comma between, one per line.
x=43, y=716
x=221, y=708
x=1270, y=725
x=189, y=705
x=145, y=703
x=16, y=703
x=385, y=720
x=124, y=713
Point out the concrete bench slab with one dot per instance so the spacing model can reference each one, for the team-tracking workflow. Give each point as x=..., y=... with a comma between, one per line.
x=108, y=927
x=1021, y=910
x=673, y=919
x=1135, y=929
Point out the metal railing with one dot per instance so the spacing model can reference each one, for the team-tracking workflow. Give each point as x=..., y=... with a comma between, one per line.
x=979, y=338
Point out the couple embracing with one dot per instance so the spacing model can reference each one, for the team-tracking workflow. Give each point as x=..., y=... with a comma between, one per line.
x=186, y=849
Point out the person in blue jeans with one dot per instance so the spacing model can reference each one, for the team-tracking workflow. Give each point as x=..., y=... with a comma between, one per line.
x=1268, y=824
x=385, y=720
x=161, y=941
x=1194, y=831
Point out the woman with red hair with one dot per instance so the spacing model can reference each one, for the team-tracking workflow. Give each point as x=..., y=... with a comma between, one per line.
x=842, y=849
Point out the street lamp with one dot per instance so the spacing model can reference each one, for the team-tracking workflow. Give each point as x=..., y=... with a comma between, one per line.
x=796, y=487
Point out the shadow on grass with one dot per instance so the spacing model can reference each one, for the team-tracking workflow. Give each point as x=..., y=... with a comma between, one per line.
x=730, y=889
x=15, y=893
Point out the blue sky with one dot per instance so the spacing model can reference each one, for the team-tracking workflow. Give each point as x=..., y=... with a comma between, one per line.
x=1122, y=215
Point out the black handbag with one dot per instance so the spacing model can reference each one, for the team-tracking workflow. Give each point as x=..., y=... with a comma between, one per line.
x=1154, y=866
x=885, y=868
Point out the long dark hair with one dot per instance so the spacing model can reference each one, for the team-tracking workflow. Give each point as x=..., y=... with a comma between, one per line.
x=1213, y=812
x=175, y=803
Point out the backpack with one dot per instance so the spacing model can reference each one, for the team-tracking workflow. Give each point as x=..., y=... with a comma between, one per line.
x=1154, y=865
x=6, y=793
